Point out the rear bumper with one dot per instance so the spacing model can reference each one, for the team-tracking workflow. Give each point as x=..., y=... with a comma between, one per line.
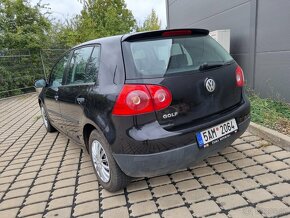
x=147, y=165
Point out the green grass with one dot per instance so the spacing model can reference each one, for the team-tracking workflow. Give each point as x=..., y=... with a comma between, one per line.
x=270, y=113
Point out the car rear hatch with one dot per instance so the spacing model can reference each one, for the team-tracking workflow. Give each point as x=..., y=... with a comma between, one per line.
x=199, y=73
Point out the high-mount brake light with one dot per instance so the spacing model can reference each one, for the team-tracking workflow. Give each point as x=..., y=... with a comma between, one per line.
x=140, y=99
x=176, y=33
x=240, y=79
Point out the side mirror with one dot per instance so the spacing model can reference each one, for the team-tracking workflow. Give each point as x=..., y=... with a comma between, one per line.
x=40, y=83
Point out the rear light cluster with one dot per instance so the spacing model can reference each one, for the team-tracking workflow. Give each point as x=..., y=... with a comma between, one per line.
x=240, y=79
x=141, y=99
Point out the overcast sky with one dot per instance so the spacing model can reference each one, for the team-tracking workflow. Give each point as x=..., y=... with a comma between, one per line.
x=63, y=9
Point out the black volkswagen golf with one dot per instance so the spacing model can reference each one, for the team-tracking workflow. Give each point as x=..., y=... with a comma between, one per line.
x=146, y=104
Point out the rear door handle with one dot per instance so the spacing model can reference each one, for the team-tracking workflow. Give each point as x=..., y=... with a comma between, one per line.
x=56, y=97
x=80, y=100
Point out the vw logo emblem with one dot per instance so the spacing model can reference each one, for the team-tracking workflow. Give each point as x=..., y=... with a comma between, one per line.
x=210, y=84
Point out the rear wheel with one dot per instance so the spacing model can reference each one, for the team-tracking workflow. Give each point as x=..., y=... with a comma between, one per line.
x=45, y=120
x=109, y=175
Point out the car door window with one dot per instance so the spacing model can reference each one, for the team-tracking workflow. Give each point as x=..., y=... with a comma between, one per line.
x=56, y=78
x=78, y=64
x=93, y=66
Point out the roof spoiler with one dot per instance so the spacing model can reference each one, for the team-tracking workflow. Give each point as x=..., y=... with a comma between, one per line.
x=163, y=33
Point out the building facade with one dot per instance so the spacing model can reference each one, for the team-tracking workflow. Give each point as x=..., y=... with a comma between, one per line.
x=260, y=36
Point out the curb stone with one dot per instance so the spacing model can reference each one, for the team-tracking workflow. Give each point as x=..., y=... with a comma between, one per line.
x=273, y=136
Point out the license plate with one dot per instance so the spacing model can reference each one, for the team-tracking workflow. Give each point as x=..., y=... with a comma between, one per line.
x=216, y=133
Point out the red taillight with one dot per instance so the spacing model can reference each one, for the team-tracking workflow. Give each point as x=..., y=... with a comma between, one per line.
x=161, y=96
x=177, y=33
x=240, y=80
x=138, y=100
x=141, y=99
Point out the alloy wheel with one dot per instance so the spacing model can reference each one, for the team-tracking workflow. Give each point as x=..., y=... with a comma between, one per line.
x=100, y=161
x=44, y=117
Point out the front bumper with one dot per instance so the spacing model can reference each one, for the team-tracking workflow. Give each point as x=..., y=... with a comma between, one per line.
x=148, y=165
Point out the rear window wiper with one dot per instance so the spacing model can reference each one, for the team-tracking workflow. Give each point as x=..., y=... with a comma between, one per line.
x=206, y=66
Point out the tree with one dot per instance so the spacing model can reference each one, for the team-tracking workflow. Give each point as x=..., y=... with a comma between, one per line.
x=23, y=26
x=98, y=18
x=64, y=35
x=24, y=30
x=152, y=22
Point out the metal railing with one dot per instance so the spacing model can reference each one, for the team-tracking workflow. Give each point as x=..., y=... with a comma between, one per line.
x=20, y=68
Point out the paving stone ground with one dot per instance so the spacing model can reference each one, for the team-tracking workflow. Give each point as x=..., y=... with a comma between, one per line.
x=46, y=175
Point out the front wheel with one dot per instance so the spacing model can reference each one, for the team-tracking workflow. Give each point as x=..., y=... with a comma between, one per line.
x=109, y=175
x=45, y=120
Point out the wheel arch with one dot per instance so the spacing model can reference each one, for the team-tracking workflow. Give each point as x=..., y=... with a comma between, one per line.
x=39, y=102
x=87, y=130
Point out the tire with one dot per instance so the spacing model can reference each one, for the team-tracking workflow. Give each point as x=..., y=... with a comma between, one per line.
x=45, y=120
x=109, y=175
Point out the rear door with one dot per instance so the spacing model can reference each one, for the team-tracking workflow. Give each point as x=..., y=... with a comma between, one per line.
x=80, y=80
x=52, y=92
x=199, y=73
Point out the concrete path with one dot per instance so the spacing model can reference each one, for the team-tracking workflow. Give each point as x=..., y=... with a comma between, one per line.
x=45, y=175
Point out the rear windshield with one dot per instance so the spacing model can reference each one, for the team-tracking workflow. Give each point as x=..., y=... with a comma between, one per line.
x=164, y=57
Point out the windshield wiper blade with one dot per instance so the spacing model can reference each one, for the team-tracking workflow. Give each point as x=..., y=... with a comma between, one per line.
x=207, y=66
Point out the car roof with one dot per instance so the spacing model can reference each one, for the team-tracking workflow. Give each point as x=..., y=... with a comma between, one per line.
x=140, y=35
x=103, y=40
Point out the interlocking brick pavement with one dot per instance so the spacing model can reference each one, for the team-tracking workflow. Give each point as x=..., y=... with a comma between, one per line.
x=46, y=175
